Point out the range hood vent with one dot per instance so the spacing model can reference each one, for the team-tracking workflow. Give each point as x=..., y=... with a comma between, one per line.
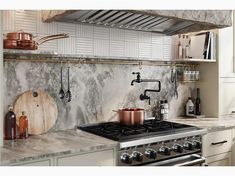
x=168, y=22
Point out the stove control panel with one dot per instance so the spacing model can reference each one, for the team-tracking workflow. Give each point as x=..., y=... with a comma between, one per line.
x=141, y=154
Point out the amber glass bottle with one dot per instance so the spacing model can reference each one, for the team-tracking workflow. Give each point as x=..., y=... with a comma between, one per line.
x=23, y=126
x=10, y=124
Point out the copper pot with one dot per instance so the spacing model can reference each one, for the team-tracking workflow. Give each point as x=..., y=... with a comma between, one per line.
x=20, y=35
x=131, y=116
x=30, y=44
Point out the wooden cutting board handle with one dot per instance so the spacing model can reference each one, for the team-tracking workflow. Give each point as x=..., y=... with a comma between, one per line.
x=40, y=108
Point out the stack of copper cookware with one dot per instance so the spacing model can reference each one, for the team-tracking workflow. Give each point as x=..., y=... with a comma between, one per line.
x=131, y=116
x=24, y=41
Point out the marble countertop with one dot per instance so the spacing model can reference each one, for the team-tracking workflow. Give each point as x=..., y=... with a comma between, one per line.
x=211, y=124
x=75, y=141
x=52, y=144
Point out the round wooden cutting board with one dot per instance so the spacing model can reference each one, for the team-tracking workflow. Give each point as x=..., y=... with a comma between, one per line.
x=40, y=108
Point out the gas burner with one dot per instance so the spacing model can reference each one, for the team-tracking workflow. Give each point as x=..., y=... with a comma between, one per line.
x=119, y=132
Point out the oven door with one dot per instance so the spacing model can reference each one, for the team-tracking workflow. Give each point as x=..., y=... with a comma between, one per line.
x=188, y=160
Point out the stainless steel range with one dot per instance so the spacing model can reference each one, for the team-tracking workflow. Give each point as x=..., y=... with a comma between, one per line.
x=154, y=143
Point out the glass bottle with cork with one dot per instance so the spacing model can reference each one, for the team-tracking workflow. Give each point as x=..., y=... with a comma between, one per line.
x=23, y=126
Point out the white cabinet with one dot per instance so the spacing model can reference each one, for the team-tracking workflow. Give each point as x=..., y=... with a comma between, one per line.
x=233, y=147
x=227, y=96
x=47, y=162
x=226, y=52
x=101, y=158
x=216, y=147
x=219, y=160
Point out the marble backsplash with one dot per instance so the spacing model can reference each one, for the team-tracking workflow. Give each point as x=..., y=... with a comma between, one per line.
x=96, y=89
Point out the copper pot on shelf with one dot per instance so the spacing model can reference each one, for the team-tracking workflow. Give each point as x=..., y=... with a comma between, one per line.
x=24, y=40
x=131, y=116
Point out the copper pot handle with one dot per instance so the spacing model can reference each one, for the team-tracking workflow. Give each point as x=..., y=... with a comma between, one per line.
x=63, y=35
x=52, y=38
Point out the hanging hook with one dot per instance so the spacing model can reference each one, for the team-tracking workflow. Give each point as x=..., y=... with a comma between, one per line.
x=140, y=65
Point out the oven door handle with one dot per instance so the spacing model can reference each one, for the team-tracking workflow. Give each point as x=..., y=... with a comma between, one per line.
x=181, y=161
x=198, y=160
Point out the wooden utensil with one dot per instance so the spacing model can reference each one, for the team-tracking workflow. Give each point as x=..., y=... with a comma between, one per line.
x=40, y=109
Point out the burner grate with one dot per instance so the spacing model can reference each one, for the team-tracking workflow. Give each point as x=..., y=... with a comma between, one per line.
x=119, y=132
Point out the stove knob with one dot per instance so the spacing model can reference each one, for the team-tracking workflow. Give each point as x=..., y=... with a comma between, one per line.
x=165, y=150
x=189, y=145
x=137, y=156
x=126, y=158
x=197, y=144
x=178, y=148
x=150, y=153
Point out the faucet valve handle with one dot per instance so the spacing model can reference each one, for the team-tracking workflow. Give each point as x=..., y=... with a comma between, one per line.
x=138, y=76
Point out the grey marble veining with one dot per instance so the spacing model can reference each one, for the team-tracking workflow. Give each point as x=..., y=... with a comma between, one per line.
x=96, y=89
x=211, y=124
x=51, y=145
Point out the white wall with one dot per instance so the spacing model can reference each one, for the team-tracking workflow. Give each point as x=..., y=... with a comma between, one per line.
x=1, y=91
x=91, y=40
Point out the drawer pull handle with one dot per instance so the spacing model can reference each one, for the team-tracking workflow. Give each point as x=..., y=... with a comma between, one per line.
x=233, y=112
x=216, y=143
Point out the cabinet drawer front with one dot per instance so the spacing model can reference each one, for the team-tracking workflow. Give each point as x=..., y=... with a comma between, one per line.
x=102, y=158
x=219, y=160
x=36, y=163
x=227, y=102
x=216, y=142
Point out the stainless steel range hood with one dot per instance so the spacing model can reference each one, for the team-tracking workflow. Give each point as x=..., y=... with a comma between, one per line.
x=168, y=22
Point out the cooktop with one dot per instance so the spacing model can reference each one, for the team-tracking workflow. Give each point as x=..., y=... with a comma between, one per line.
x=120, y=132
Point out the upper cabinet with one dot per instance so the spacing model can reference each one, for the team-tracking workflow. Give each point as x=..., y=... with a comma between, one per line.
x=169, y=22
x=226, y=52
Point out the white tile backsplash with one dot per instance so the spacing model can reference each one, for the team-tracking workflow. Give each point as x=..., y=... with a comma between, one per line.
x=101, y=33
x=167, y=52
x=67, y=28
x=101, y=47
x=145, y=37
x=131, y=49
x=86, y=31
x=90, y=39
x=167, y=40
x=67, y=46
x=131, y=36
x=157, y=38
x=8, y=20
x=117, y=34
x=26, y=21
x=85, y=46
x=157, y=51
x=117, y=48
x=145, y=50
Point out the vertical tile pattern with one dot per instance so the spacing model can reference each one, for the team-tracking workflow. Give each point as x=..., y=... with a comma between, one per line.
x=8, y=20
x=145, y=50
x=131, y=36
x=92, y=40
x=85, y=46
x=26, y=20
x=117, y=48
x=67, y=46
x=101, y=47
x=101, y=33
x=131, y=49
x=117, y=34
x=145, y=37
x=67, y=28
x=86, y=31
